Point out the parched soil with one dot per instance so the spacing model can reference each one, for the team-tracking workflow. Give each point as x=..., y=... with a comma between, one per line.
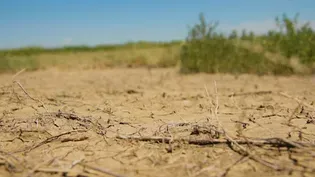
x=140, y=122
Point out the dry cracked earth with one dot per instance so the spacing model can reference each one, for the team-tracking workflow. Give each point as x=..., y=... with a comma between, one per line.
x=140, y=122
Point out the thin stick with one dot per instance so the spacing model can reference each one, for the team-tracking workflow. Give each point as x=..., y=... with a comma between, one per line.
x=253, y=156
x=297, y=100
x=216, y=105
x=101, y=170
x=212, y=167
x=38, y=166
x=270, y=92
x=223, y=174
x=34, y=99
x=59, y=170
x=268, y=141
x=250, y=93
x=8, y=163
x=18, y=73
x=50, y=139
x=52, y=170
x=228, y=137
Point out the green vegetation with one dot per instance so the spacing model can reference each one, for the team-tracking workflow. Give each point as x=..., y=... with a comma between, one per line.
x=8, y=64
x=288, y=50
x=27, y=51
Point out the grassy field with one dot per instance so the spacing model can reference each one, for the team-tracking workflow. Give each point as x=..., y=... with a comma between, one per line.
x=140, y=54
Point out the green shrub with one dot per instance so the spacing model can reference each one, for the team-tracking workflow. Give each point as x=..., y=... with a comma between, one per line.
x=207, y=51
x=292, y=40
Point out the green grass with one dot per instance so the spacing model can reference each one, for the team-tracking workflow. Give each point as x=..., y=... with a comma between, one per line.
x=28, y=51
x=9, y=64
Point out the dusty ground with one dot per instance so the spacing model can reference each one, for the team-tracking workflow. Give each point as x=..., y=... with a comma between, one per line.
x=85, y=110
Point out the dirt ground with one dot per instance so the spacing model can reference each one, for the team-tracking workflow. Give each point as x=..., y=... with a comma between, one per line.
x=75, y=123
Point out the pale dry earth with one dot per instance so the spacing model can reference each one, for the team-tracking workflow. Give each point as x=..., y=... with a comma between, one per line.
x=84, y=111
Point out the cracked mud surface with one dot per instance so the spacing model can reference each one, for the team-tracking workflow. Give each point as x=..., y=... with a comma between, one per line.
x=86, y=110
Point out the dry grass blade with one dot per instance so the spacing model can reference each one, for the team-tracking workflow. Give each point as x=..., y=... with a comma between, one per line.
x=18, y=73
x=297, y=100
x=244, y=150
x=34, y=99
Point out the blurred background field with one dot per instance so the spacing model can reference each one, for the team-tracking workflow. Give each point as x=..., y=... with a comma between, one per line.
x=141, y=54
x=287, y=50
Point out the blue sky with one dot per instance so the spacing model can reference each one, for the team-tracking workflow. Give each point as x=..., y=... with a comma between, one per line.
x=91, y=22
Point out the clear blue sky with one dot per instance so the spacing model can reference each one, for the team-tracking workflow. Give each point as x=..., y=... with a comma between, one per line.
x=52, y=23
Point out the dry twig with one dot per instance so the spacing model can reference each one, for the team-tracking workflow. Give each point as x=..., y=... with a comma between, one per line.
x=278, y=142
x=244, y=150
x=48, y=140
x=297, y=100
x=69, y=172
x=250, y=93
x=102, y=170
x=227, y=169
x=270, y=92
